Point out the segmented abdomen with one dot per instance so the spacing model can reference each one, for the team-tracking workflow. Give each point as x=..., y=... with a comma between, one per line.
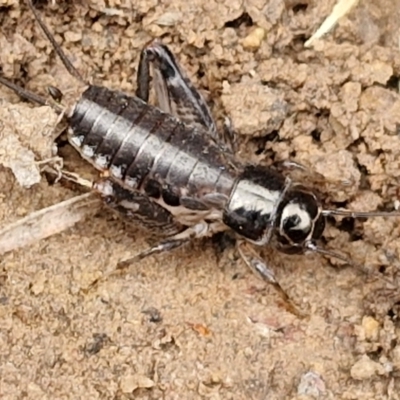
x=146, y=149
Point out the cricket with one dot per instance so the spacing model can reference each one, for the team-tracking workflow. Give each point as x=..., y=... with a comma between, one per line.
x=170, y=168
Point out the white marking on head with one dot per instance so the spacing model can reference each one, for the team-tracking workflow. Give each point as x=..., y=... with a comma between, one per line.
x=251, y=196
x=292, y=209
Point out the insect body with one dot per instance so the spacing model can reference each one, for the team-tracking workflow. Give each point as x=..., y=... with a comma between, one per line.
x=168, y=166
x=182, y=169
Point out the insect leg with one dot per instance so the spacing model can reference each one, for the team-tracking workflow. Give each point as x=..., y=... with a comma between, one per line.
x=54, y=92
x=30, y=96
x=135, y=207
x=143, y=78
x=161, y=247
x=175, y=93
x=201, y=229
x=57, y=48
x=260, y=268
x=315, y=176
x=124, y=263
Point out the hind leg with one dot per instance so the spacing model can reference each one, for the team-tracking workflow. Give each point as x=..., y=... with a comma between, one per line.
x=137, y=208
x=175, y=92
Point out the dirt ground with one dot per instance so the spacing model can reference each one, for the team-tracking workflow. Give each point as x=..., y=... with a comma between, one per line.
x=196, y=323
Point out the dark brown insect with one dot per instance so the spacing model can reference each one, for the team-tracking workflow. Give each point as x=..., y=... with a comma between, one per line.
x=170, y=168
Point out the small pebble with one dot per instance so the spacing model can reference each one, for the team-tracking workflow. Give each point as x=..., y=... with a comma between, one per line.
x=311, y=384
x=169, y=19
x=73, y=36
x=371, y=328
x=130, y=383
x=365, y=368
x=254, y=39
x=396, y=356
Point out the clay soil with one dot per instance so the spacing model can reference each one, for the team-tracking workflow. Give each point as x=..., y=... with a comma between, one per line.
x=195, y=323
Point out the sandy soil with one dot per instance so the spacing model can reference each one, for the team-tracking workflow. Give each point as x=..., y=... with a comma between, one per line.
x=196, y=323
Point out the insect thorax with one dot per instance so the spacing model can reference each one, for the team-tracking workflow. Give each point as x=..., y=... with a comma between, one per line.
x=262, y=205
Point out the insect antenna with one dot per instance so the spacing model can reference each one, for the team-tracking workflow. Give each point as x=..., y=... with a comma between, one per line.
x=352, y=214
x=57, y=48
x=27, y=95
x=311, y=246
x=361, y=214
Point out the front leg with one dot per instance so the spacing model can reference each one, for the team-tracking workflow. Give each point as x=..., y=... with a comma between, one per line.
x=260, y=268
x=309, y=174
